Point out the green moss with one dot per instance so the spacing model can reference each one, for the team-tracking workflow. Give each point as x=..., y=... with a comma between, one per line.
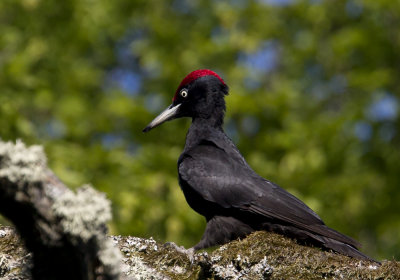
x=261, y=255
x=14, y=259
x=140, y=257
x=289, y=260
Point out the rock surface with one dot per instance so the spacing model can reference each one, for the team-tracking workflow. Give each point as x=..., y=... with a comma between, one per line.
x=261, y=255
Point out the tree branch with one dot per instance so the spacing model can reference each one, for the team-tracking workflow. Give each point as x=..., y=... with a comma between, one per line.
x=66, y=233
x=62, y=229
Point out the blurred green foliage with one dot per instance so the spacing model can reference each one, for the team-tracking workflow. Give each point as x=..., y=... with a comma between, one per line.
x=313, y=104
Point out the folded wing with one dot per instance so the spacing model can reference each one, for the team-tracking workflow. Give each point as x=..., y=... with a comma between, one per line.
x=225, y=181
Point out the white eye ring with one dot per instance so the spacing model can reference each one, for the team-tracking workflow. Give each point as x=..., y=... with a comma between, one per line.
x=184, y=93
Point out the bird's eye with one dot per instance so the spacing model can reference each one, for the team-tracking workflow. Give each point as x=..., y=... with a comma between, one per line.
x=184, y=93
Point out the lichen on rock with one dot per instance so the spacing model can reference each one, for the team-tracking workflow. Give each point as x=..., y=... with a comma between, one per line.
x=57, y=225
x=20, y=163
x=133, y=263
x=261, y=255
x=84, y=213
x=14, y=259
x=83, y=216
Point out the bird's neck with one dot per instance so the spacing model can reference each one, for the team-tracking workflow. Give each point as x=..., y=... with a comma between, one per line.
x=202, y=129
x=214, y=121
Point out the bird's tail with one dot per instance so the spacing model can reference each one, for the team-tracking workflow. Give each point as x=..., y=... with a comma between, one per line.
x=338, y=242
x=344, y=249
x=322, y=236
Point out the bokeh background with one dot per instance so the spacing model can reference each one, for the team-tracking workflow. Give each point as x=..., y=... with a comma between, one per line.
x=313, y=105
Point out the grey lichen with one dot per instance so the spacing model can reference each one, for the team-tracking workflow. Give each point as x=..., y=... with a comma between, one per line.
x=134, y=265
x=20, y=163
x=241, y=268
x=110, y=257
x=137, y=269
x=83, y=214
x=54, y=211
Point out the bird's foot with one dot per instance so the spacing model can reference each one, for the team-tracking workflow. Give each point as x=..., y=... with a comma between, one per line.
x=187, y=252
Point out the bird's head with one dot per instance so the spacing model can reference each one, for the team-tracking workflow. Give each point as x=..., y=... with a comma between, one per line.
x=199, y=95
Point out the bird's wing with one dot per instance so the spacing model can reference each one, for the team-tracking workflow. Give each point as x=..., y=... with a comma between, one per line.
x=222, y=179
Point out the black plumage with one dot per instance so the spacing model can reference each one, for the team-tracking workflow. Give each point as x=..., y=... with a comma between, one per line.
x=219, y=184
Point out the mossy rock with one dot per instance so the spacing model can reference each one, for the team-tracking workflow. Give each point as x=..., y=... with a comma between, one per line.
x=261, y=255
